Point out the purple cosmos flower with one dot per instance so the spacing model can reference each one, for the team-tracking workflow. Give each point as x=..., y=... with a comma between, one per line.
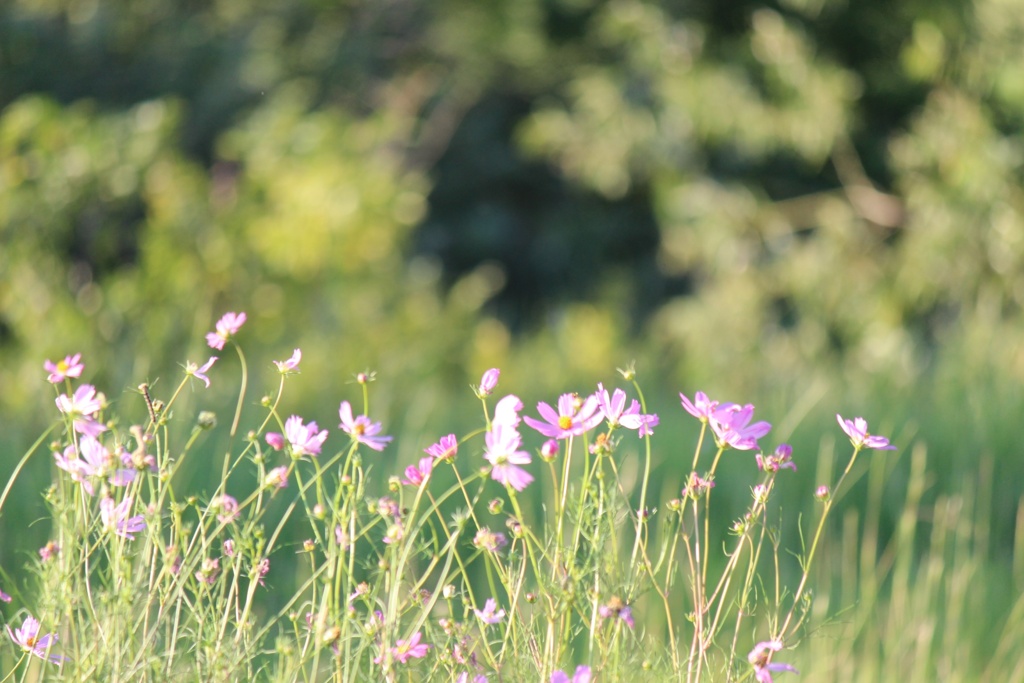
x=415, y=475
x=506, y=412
x=702, y=407
x=276, y=478
x=93, y=460
x=445, y=449
x=361, y=429
x=488, y=382
x=857, y=430
x=490, y=614
x=226, y=327
x=290, y=365
x=62, y=369
x=302, y=439
x=404, y=650
x=582, y=675
x=732, y=428
x=502, y=451
x=115, y=517
x=5, y=597
x=617, y=608
x=48, y=551
x=780, y=459
x=81, y=407
x=614, y=410
x=464, y=678
x=192, y=370
x=760, y=656
x=28, y=639
x=572, y=418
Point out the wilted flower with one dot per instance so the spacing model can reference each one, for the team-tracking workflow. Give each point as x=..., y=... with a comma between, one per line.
x=288, y=366
x=209, y=570
x=277, y=477
x=491, y=541
x=572, y=419
x=857, y=430
x=780, y=459
x=200, y=372
x=759, y=657
x=361, y=429
x=490, y=614
x=229, y=548
x=28, y=639
x=71, y=366
x=226, y=327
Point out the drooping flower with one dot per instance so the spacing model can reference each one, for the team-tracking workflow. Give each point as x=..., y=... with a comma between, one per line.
x=361, y=429
x=81, y=407
x=616, y=608
x=445, y=449
x=276, y=478
x=491, y=541
x=302, y=439
x=226, y=327
x=490, y=614
x=702, y=407
x=28, y=639
x=404, y=650
x=760, y=658
x=857, y=430
x=415, y=475
x=192, y=370
x=71, y=366
x=488, y=382
x=289, y=366
x=115, y=518
x=502, y=451
x=506, y=412
x=582, y=675
x=732, y=428
x=780, y=459
x=572, y=419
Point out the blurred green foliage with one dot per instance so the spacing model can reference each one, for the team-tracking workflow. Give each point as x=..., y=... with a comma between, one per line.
x=813, y=203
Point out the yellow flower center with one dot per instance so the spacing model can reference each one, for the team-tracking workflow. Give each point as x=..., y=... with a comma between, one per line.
x=564, y=422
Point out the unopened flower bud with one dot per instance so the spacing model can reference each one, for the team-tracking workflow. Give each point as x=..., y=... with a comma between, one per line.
x=207, y=419
x=822, y=493
x=496, y=506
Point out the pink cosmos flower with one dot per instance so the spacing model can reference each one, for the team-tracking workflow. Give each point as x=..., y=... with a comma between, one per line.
x=464, y=678
x=290, y=365
x=81, y=407
x=780, y=459
x=488, y=382
x=115, y=518
x=857, y=430
x=276, y=478
x=491, y=541
x=404, y=650
x=506, y=412
x=617, y=609
x=702, y=407
x=28, y=639
x=415, y=475
x=760, y=657
x=225, y=506
x=445, y=449
x=570, y=420
x=502, y=451
x=582, y=675
x=732, y=428
x=49, y=551
x=93, y=460
x=490, y=614
x=302, y=439
x=200, y=372
x=226, y=327
x=361, y=429
x=62, y=369
x=5, y=597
